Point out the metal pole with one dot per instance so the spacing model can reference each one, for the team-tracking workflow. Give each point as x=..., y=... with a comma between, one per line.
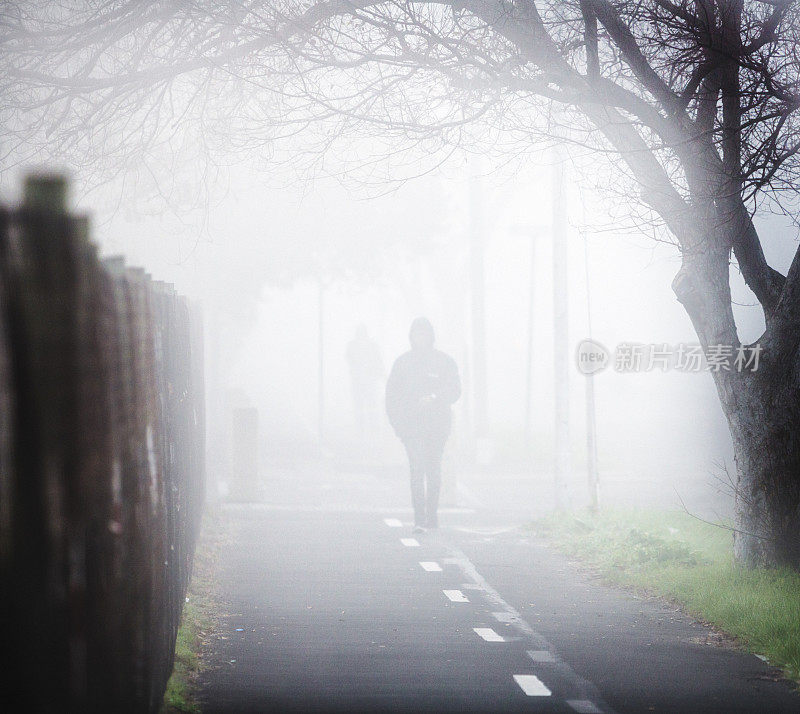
x=591, y=446
x=591, y=417
x=321, y=364
x=529, y=366
x=560, y=335
x=479, y=391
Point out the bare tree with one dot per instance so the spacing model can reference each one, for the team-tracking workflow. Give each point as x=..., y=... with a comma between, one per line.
x=695, y=99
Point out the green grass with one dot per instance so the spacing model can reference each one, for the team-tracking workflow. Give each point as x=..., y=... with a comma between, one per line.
x=178, y=697
x=675, y=555
x=197, y=619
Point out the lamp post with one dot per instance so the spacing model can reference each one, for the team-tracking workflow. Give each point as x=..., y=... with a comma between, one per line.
x=562, y=464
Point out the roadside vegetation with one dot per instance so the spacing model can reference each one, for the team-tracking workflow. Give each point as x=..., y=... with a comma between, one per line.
x=197, y=620
x=673, y=554
x=179, y=696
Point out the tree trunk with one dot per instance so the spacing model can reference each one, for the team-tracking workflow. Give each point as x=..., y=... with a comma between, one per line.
x=766, y=440
x=763, y=412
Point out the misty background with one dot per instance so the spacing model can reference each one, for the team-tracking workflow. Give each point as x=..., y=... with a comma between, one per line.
x=260, y=242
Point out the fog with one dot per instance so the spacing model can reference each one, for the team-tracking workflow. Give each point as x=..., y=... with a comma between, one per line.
x=261, y=243
x=414, y=368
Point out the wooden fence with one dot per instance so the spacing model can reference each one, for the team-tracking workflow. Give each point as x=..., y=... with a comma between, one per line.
x=101, y=466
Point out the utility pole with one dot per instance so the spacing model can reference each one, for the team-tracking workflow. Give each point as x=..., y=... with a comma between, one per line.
x=321, y=364
x=592, y=474
x=477, y=303
x=531, y=321
x=560, y=333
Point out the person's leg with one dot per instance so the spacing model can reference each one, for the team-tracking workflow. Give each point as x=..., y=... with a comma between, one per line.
x=416, y=462
x=433, y=468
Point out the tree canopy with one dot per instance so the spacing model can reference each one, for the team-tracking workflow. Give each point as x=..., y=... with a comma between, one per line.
x=697, y=99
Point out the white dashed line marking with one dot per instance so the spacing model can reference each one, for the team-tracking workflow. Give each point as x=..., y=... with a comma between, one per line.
x=541, y=656
x=393, y=522
x=455, y=596
x=532, y=685
x=488, y=634
x=505, y=617
x=430, y=566
x=584, y=693
x=584, y=706
x=410, y=542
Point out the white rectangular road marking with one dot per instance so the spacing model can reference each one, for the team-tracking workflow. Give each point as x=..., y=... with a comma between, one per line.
x=410, y=542
x=488, y=634
x=541, y=656
x=393, y=522
x=584, y=706
x=431, y=566
x=532, y=685
x=455, y=596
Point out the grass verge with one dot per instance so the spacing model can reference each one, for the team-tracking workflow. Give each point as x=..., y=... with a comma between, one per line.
x=179, y=697
x=196, y=620
x=673, y=554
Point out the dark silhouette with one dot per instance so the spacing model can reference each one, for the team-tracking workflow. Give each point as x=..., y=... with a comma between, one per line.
x=366, y=375
x=422, y=386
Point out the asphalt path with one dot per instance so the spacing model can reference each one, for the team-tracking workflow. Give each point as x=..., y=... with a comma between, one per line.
x=329, y=603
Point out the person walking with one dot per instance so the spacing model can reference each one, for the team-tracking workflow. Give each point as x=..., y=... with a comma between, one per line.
x=421, y=388
x=366, y=377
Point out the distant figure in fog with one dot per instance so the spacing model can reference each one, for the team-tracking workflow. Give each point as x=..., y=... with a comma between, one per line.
x=366, y=376
x=422, y=386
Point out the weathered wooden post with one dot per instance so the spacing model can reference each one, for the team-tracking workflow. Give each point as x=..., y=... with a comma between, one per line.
x=100, y=467
x=8, y=512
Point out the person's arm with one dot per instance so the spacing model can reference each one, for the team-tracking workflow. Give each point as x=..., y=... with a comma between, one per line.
x=450, y=389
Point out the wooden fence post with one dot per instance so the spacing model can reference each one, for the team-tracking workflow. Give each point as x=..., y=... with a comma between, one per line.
x=101, y=466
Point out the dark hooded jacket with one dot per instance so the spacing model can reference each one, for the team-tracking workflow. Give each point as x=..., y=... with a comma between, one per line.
x=421, y=388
